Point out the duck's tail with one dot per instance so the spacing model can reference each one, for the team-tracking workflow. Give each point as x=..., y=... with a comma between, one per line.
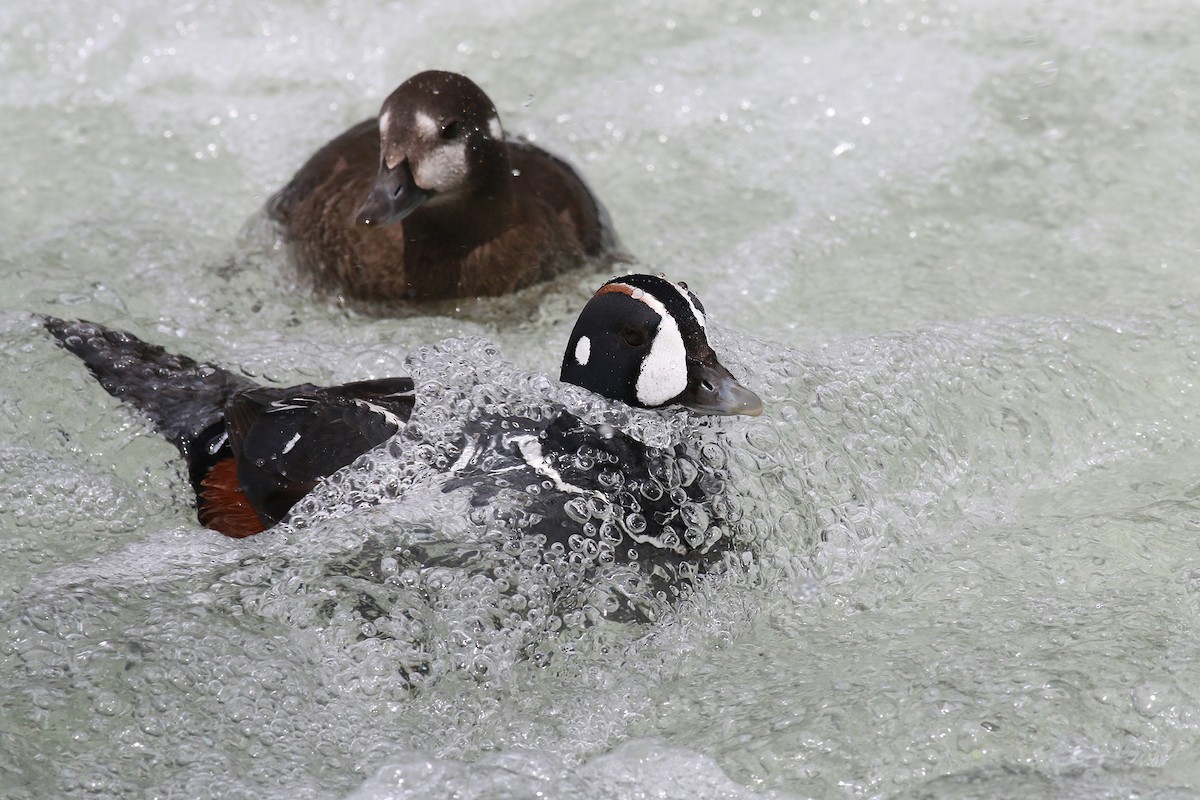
x=184, y=399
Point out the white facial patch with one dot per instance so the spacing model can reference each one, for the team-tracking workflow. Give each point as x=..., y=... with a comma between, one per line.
x=583, y=351
x=664, y=369
x=494, y=128
x=443, y=168
x=392, y=156
x=427, y=125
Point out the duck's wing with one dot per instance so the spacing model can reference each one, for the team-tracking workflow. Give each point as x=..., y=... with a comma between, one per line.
x=286, y=440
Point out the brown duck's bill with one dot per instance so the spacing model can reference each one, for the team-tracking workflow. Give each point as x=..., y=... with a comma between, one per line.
x=712, y=389
x=394, y=196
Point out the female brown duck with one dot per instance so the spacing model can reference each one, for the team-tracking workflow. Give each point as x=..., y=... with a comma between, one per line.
x=431, y=201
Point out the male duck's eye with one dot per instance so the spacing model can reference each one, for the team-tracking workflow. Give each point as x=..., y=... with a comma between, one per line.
x=633, y=338
x=450, y=129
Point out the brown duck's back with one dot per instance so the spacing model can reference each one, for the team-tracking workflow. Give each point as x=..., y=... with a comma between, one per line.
x=350, y=159
x=554, y=182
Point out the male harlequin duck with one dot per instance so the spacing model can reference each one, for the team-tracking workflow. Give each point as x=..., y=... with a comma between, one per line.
x=430, y=201
x=253, y=451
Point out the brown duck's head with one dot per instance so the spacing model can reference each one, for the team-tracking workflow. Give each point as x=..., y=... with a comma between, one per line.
x=440, y=140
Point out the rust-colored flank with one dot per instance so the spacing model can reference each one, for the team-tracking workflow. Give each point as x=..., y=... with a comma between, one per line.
x=223, y=506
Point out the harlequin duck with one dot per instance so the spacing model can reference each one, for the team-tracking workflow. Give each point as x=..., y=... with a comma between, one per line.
x=430, y=201
x=253, y=451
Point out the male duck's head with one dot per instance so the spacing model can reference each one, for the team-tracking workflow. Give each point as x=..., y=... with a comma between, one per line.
x=440, y=142
x=641, y=340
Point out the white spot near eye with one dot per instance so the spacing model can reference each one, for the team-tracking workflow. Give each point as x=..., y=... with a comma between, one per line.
x=391, y=154
x=287, y=448
x=427, y=124
x=494, y=128
x=583, y=351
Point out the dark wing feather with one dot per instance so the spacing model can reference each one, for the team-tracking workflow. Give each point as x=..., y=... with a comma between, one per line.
x=185, y=399
x=287, y=440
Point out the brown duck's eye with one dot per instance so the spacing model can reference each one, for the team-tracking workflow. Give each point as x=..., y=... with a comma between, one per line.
x=633, y=338
x=450, y=129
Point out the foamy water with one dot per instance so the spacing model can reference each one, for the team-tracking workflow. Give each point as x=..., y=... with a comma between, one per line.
x=952, y=245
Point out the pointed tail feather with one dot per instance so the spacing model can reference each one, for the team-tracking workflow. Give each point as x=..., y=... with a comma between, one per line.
x=184, y=399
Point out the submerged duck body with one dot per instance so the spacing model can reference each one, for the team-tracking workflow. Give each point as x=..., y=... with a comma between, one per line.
x=431, y=201
x=586, y=489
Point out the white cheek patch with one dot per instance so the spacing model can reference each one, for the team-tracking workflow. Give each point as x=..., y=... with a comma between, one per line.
x=385, y=120
x=443, y=169
x=583, y=351
x=664, y=370
x=494, y=128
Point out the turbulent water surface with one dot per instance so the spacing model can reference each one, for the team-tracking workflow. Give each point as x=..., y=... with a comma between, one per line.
x=953, y=245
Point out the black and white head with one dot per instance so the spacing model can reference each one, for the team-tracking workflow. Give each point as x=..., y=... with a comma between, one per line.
x=641, y=340
x=439, y=140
